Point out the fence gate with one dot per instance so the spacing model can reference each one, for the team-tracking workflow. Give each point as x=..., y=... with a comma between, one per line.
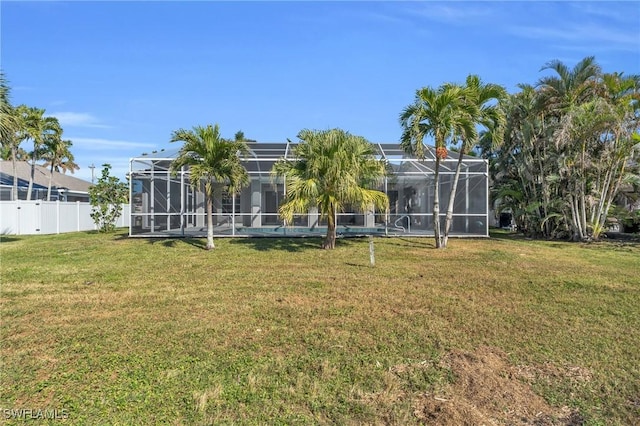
x=28, y=218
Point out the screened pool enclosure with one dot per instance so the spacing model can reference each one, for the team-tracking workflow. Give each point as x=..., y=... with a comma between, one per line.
x=165, y=204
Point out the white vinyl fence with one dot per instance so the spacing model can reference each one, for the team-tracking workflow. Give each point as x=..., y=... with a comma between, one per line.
x=49, y=217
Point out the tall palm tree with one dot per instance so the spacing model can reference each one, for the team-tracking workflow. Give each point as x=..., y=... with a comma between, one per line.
x=481, y=110
x=36, y=127
x=7, y=154
x=9, y=125
x=567, y=149
x=623, y=96
x=437, y=113
x=211, y=159
x=7, y=117
x=568, y=87
x=561, y=95
x=58, y=157
x=603, y=130
x=523, y=162
x=332, y=169
x=11, y=149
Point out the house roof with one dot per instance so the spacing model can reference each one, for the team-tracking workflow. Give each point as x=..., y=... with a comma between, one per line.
x=41, y=177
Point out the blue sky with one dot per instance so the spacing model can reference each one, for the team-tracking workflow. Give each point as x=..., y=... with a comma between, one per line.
x=121, y=76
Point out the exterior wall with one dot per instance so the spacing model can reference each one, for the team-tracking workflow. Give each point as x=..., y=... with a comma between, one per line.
x=49, y=217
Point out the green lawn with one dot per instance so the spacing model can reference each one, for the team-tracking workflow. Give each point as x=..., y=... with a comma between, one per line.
x=262, y=331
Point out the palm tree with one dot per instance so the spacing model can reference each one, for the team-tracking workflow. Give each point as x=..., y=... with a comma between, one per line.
x=11, y=150
x=439, y=114
x=211, y=159
x=9, y=124
x=567, y=148
x=58, y=157
x=597, y=138
x=7, y=154
x=7, y=118
x=523, y=161
x=480, y=109
x=622, y=139
x=569, y=87
x=563, y=95
x=36, y=127
x=332, y=169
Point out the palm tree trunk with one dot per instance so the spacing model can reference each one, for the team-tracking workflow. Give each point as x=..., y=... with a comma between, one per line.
x=50, y=179
x=583, y=212
x=329, y=242
x=436, y=205
x=545, y=189
x=33, y=172
x=612, y=194
x=210, y=244
x=579, y=231
x=452, y=198
x=574, y=221
x=14, y=190
x=598, y=214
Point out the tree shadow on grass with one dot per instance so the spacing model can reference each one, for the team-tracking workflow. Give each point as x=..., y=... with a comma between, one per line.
x=286, y=244
x=200, y=243
x=119, y=235
x=290, y=244
x=501, y=234
x=363, y=265
x=419, y=242
x=8, y=238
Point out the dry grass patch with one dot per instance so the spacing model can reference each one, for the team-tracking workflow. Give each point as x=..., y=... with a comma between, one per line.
x=486, y=390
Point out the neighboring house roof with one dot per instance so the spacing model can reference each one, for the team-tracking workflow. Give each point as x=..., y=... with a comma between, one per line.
x=40, y=178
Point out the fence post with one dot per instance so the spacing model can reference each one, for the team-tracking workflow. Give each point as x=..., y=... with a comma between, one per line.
x=18, y=216
x=57, y=216
x=372, y=253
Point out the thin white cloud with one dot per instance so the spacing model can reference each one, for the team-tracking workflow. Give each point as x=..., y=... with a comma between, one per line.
x=582, y=24
x=596, y=9
x=99, y=143
x=78, y=119
x=382, y=18
x=585, y=35
x=452, y=13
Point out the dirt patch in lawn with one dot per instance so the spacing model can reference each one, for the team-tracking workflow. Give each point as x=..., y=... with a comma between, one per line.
x=488, y=390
